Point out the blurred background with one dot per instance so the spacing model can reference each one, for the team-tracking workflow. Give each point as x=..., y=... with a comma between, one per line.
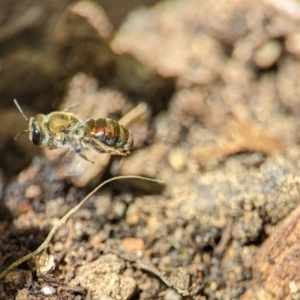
x=209, y=90
x=208, y=62
x=43, y=45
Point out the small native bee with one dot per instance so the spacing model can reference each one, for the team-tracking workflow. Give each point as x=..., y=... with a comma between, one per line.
x=63, y=129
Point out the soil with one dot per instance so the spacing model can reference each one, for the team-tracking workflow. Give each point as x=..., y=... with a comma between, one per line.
x=210, y=92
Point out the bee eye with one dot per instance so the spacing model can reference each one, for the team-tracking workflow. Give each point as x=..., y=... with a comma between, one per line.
x=36, y=137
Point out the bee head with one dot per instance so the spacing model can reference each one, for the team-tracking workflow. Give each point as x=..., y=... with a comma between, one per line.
x=34, y=131
x=33, y=128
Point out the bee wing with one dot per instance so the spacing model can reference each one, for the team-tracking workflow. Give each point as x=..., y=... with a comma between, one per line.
x=62, y=121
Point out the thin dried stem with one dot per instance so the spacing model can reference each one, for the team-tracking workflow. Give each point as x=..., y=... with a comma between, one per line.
x=66, y=217
x=132, y=115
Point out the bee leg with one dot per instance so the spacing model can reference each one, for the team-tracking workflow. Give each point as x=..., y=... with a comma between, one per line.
x=82, y=155
x=102, y=148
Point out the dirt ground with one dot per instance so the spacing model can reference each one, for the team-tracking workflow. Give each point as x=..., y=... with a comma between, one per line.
x=210, y=91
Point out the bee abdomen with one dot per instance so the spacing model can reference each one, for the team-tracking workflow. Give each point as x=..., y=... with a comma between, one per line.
x=109, y=132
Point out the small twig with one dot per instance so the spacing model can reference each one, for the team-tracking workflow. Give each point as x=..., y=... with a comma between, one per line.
x=132, y=115
x=66, y=217
x=225, y=238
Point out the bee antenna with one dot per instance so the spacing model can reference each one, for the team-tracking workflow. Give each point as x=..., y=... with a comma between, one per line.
x=20, y=133
x=22, y=113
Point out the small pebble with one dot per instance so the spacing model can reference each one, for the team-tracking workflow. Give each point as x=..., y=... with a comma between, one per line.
x=293, y=287
x=268, y=54
x=23, y=294
x=48, y=290
x=171, y=294
x=177, y=159
x=133, y=245
x=206, y=258
x=132, y=215
x=213, y=286
x=293, y=44
x=44, y=263
x=33, y=191
x=119, y=209
x=58, y=247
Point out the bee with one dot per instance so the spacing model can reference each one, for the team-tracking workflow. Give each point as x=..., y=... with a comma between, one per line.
x=63, y=129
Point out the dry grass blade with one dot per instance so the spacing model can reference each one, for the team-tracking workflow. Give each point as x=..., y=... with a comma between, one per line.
x=66, y=217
